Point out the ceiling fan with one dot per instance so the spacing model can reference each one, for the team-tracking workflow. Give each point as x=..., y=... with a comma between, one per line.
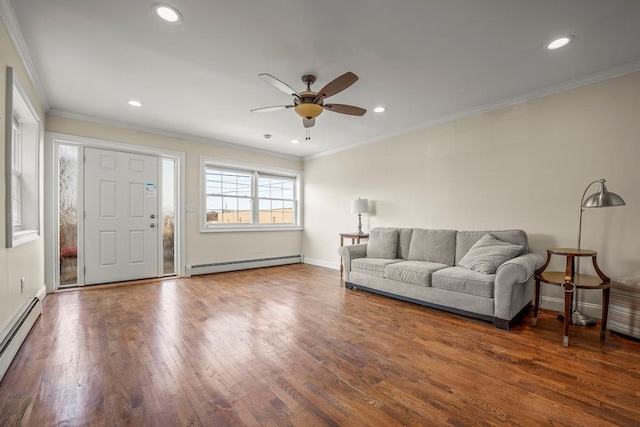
x=309, y=104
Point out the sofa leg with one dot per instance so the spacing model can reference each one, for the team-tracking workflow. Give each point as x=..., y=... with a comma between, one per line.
x=505, y=325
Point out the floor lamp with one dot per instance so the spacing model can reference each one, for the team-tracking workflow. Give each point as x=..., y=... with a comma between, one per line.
x=602, y=199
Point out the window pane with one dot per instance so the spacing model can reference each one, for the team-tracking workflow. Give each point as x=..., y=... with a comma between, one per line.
x=232, y=197
x=68, y=213
x=168, y=216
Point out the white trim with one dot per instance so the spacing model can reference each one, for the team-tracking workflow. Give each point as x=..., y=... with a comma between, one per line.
x=17, y=38
x=52, y=140
x=557, y=304
x=231, y=164
x=518, y=99
x=155, y=131
x=322, y=263
x=41, y=292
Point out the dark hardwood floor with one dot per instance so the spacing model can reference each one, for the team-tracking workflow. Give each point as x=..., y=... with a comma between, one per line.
x=291, y=346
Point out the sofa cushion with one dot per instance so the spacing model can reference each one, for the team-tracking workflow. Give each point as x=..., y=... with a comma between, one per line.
x=489, y=253
x=382, y=243
x=371, y=266
x=466, y=239
x=404, y=241
x=416, y=272
x=463, y=280
x=433, y=246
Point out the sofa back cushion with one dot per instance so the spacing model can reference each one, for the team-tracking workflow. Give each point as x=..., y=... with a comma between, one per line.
x=382, y=243
x=466, y=239
x=404, y=241
x=433, y=246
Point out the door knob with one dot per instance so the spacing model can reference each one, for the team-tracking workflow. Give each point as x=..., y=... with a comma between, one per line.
x=152, y=216
x=152, y=225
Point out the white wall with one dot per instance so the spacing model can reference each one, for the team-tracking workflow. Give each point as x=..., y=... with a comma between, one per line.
x=523, y=166
x=26, y=260
x=201, y=248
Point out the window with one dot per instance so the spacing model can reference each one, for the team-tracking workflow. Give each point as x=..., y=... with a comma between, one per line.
x=22, y=148
x=248, y=197
x=16, y=175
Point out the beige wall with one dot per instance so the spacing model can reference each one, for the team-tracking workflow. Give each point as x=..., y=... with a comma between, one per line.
x=201, y=248
x=26, y=260
x=523, y=166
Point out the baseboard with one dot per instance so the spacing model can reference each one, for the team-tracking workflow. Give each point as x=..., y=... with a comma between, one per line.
x=557, y=304
x=322, y=263
x=15, y=333
x=221, y=267
x=41, y=293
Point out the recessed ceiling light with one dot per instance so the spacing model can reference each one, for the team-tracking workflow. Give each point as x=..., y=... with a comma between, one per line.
x=559, y=42
x=295, y=141
x=266, y=136
x=134, y=103
x=380, y=109
x=167, y=13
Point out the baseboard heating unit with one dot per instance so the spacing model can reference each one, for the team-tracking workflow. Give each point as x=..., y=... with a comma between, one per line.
x=15, y=333
x=220, y=267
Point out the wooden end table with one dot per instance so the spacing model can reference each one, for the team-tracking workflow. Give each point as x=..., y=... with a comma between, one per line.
x=355, y=239
x=569, y=280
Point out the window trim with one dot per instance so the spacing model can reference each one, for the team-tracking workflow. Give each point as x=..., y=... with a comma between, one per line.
x=249, y=167
x=18, y=105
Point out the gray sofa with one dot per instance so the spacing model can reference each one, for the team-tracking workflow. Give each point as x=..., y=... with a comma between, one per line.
x=482, y=274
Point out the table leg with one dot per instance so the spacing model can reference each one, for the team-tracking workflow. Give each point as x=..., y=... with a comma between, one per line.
x=341, y=266
x=605, y=312
x=536, y=302
x=568, y=291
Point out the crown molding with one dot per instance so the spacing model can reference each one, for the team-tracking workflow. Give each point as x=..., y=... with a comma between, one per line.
x=184, y=136
x=629, y=68
x=15, y=34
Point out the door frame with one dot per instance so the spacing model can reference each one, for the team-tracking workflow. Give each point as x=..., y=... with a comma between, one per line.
x=52, y=142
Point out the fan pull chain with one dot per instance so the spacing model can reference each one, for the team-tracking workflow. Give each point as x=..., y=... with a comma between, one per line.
x=308, y=137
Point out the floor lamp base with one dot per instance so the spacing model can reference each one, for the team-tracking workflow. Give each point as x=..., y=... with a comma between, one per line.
x=578, y=318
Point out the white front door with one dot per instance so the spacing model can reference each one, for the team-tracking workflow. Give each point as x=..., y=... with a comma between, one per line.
x=121, y=216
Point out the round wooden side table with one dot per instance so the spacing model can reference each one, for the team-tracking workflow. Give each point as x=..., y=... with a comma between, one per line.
x=569, y=280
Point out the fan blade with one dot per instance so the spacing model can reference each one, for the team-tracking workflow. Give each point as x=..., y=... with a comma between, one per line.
x=274, y=108
x=336, y=85
x=308, y=122
x=345, y=109
x=268, y=78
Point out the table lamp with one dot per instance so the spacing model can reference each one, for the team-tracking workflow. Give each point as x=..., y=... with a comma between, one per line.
x=360, y=206
x=602, y=199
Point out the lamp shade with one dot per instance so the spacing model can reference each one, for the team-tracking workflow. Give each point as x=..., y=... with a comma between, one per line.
x=603, y=198
x=359, y=206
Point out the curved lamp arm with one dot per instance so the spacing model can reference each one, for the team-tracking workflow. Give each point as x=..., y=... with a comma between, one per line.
x=601, y=181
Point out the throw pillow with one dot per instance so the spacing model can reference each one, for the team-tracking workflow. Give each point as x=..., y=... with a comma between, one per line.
x=383, y=243
x=489, y=253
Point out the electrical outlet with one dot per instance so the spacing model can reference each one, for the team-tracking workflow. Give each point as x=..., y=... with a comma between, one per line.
x=257, y=249
x=190, y=208
x=22, y=285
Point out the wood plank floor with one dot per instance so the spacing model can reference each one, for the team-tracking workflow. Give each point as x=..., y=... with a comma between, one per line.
x=291, y=346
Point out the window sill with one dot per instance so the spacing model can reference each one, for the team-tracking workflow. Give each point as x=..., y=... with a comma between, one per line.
x=24, y=236
x=234, y=229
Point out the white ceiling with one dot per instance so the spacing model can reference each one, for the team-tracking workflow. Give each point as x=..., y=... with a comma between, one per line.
x=425, y=60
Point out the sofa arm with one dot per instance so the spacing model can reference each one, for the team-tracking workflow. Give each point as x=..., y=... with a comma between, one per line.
x=348, y=253
x=509, y=298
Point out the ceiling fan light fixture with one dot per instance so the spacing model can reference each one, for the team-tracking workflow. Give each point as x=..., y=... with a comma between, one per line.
x=559, y=42
x=167, y=13
x=308, y=110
